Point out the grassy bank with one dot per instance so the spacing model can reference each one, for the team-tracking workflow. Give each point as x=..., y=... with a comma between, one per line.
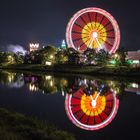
x=78, y=69
x=15, y=126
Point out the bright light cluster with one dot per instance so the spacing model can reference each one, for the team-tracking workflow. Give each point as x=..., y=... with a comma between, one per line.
x=34, y=46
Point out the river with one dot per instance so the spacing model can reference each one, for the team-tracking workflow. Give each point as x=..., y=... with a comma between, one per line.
x=90, y=107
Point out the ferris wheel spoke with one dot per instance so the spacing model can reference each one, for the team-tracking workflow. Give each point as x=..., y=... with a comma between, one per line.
x=108, y=36
x=112, y=37
x=78, y=25
x=88, y=118
x=90, y=20
x=77, y=39
x=95, y=19
x=76, y=112
x=105, y=26
x=106, y=42
x=81, y=117
x=90, y=43
x=84, y=43
x=84, y=22
x=100, y=117
x=106, y=113
x=98, y=42
x=107, y=31
x=111, y=30
x=100, y=22
x=75, y=32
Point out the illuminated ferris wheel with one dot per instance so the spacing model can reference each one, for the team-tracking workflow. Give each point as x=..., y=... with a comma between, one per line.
x=93, y=28
x=91, y=112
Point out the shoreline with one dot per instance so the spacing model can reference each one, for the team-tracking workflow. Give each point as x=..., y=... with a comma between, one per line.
x=76, y=69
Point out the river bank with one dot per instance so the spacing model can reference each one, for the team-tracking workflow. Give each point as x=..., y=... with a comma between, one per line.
x=15, y=126
x=77, y=69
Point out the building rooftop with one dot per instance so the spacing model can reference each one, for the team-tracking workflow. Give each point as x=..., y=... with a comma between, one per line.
x=133, y=55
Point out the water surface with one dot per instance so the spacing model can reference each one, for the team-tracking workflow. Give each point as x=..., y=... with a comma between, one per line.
x=87, y=106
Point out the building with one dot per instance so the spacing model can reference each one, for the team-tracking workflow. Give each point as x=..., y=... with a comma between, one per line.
x=133, y=57
x=33, y=47
x=63, y=45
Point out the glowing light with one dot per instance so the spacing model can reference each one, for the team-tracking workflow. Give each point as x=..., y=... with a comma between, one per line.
x=48, y=77
x=113, y=62
x=51, y=56
x=116, y=55
x=136, y=61
x=9, y=56
x=51, y=83
x=48, y=63
x=85, y=81
x=32, y=87
x=94, y=34
x=63, y=45
x=135, y=85
x=130, y=61
x=63, y=93
x=10, y=77
x=34, y=46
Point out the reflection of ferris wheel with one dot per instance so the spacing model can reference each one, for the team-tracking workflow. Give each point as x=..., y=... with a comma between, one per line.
x=91, y=112
x=93, y=28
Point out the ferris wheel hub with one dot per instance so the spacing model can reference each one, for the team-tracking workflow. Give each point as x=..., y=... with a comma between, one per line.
x=94, y=35
x=93, y=103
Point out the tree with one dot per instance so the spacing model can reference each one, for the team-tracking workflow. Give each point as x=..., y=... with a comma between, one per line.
x=61, y=57
x=73, y=56
x=19, y=57
x=90, y=55
x=47, y=54
x=121, y=60
x=102, y=57
x=7, y=57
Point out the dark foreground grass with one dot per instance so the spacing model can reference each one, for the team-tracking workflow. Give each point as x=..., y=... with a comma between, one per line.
x=15, y=126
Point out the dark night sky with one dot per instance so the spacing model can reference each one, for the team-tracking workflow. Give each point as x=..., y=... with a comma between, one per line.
x=45, y=21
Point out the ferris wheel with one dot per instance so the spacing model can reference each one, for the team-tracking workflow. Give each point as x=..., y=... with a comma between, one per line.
x=91, y=112
x=93, y=28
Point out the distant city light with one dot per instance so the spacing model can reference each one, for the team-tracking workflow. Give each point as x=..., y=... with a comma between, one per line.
x=135, y=85
x=48, y=77
x=130, y=61
x=116, y=55
x=32, y=87
x=113, y=62
x=136, y=61
x=34, y=46
x=63, y=44
x=48, y=63
x=51, y=83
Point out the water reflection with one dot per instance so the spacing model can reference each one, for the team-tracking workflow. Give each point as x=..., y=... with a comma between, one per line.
x=91, y=103
x=11, y=79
